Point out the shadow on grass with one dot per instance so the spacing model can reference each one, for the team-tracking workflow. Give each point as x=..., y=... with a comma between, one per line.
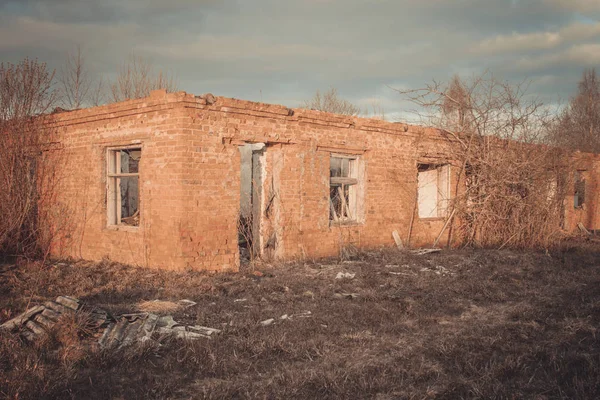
x=500, y=324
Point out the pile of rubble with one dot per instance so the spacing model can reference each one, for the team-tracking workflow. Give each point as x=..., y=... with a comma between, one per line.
x=113, y=331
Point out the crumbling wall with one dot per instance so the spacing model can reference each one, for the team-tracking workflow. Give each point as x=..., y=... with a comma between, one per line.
x=299, y=143
x=151, y=123
x=190, y=181
x=588, y=213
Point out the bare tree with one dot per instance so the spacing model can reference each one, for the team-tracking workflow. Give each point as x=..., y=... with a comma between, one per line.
x=98, y=93
x=508, y=190
x=26, y=91
x=330, y=102
x=456, y=103
x=75, y=80
x=137, y=78
x=377, y=111
x=578, y=127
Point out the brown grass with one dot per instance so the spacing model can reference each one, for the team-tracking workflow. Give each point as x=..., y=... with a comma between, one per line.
x=497, y=324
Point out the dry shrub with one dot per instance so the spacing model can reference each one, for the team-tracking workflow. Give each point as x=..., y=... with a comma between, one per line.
x=27, y=177
x=42, y=368
x=513, y=195
x=510, y=186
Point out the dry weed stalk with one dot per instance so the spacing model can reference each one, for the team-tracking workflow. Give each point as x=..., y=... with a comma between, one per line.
x=509, y=186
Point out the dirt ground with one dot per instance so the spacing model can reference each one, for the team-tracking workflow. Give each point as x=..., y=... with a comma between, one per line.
x=455, y=324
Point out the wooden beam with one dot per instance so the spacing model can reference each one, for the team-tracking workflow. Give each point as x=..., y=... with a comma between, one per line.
x=341, y=150
x=332, y=208
x=124, y=175
x=337, y=180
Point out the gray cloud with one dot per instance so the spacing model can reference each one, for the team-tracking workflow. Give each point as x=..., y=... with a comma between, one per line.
x=580, y=6
x=282, y=52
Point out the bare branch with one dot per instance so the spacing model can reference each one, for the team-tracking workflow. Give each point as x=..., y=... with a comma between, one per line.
x=75, y=80
x=137, y=78
x=26, y=90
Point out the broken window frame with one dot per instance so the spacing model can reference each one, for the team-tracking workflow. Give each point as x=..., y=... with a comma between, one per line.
x=579, y=189
x=113, y=184
x=443, y=189
x=342, y=184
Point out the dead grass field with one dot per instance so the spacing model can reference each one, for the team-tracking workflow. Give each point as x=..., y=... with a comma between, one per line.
x=489, y=324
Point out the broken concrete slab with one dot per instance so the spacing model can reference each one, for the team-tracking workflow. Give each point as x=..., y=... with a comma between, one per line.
x=128, y=329
x=21, y=318
x=115, y=331
x=37, y=320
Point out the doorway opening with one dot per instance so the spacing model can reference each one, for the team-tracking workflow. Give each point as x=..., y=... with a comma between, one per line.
x=251, y=186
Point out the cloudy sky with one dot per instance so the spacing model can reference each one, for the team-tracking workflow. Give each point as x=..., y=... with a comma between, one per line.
x=281, y=51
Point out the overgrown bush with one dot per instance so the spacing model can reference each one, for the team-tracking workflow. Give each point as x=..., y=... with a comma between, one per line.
x=26, y=176
x=509, y=185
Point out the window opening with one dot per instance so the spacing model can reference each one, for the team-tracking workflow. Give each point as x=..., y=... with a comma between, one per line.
x=123, y=186
x=433, y=190
x=342, y=188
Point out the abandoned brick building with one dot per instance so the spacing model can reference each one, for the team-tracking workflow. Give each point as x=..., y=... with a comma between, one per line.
x=167, y=181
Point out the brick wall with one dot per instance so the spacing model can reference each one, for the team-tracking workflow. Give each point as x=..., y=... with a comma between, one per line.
x=190, y=181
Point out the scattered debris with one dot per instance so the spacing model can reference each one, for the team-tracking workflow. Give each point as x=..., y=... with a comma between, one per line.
x=420, y=252
x=404, y=266
x=127, y=329
x=583, y=229
x=168, y=326
x=37, y=320
x=114, y=331
x=286, y=317
x=209, y=98
x=240, y=300
x=398, y=241
x=345, y=295
x=303, y=314
x=308, y=293
x=438, y=270
x=345, y=275
x=267, y=322
x=401, y=273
